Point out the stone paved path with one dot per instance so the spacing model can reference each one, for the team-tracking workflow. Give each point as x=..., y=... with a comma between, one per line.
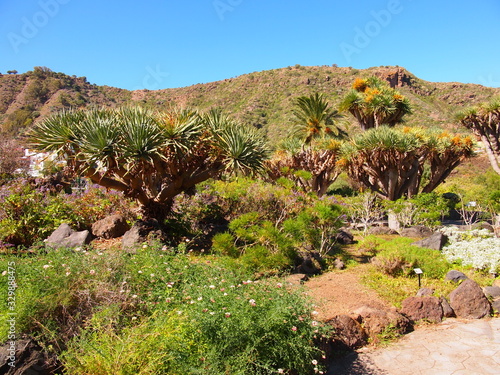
x=454, y=347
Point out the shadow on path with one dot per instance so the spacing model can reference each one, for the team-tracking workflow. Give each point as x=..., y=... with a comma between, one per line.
x=354, y=364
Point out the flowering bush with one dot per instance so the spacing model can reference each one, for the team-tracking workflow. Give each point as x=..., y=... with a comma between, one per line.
x=29, y=214
x=158, y=312
x=475, y=248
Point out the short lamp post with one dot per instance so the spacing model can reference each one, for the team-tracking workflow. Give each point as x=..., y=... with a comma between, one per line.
x=418, y=271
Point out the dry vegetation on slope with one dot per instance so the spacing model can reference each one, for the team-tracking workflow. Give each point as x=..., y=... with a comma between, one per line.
x=263, y=99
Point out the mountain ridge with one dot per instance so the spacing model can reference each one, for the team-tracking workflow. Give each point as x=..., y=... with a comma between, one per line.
x=263, y=99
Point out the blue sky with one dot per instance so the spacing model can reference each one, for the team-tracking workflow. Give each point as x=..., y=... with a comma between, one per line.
x=157, y=44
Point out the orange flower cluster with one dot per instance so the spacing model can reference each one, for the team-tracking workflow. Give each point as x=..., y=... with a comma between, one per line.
x=360, y=85
x=371, y=93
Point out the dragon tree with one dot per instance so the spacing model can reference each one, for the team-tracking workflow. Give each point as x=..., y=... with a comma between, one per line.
x=374, y=103
x=150, y=156
x=484, y=121
x=309, y=154
x=391, y=162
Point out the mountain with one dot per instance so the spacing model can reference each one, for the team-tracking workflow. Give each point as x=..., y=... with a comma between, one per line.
x=263, y=99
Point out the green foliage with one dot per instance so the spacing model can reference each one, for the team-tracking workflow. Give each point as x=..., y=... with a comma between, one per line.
x=270, y=247
x=315, y=228
x=29, y=215
x=156, y=311
x=399, y=257
x=424, y=209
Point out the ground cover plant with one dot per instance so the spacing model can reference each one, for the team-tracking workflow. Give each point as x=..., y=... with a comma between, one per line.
x=478, y=248
x=158, y=311
x=394, y=259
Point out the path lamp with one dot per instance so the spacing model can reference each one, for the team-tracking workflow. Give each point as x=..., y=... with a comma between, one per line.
x=418, y=271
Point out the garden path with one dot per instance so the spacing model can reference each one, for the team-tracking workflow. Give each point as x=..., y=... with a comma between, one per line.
x=453, y=347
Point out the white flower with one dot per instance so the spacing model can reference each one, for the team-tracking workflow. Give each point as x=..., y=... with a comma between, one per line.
x=281, y=371
x=200, y=298
x=45, y=266
x=212, y=286
x=92, y=272
x=314, y=362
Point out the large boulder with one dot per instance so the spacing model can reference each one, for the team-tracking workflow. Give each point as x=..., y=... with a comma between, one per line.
x=344, y=237
x=435, y=242
x=376, y=321
x=142, y=232
x=110, y=227
x=423, y=308
x=468, y=301
x=65, y=236
x=348, y=333
x=455, y=276
x=492, y=291
x=417, y=231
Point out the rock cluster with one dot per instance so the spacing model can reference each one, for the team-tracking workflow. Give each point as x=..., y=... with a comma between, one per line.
x=366, y=324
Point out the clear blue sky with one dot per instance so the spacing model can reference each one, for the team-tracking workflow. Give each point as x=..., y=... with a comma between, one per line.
x=173, y=43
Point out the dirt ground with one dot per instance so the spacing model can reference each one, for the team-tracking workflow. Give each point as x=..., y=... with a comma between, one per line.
x=341, y=292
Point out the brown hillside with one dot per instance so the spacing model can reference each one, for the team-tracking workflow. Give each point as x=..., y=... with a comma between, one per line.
x=263, y=99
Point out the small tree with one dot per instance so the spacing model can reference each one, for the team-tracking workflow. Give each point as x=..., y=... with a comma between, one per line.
x=150, y=156
x=484, y=121
x=374, y=103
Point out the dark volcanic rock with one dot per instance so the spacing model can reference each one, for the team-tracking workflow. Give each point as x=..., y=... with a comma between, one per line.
x=348, y=333
x=455, y=276
x=110, y=227
x=418, y=231
x=435, y=242
x=426, y=308
x=468, y=301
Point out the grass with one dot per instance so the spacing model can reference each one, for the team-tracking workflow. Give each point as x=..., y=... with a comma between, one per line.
x=395, y=286
x=160, y=311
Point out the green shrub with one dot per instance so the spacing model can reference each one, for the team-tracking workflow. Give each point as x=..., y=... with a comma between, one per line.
x=399, y=257
x=424, y=209
x=29, y=215
x=224, y=244
x=157, y=311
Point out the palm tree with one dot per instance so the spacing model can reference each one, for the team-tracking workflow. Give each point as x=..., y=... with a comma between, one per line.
x=313, y=119
x=484, y=121
x=309, y=154
x=150, y=156
x=374, y=103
